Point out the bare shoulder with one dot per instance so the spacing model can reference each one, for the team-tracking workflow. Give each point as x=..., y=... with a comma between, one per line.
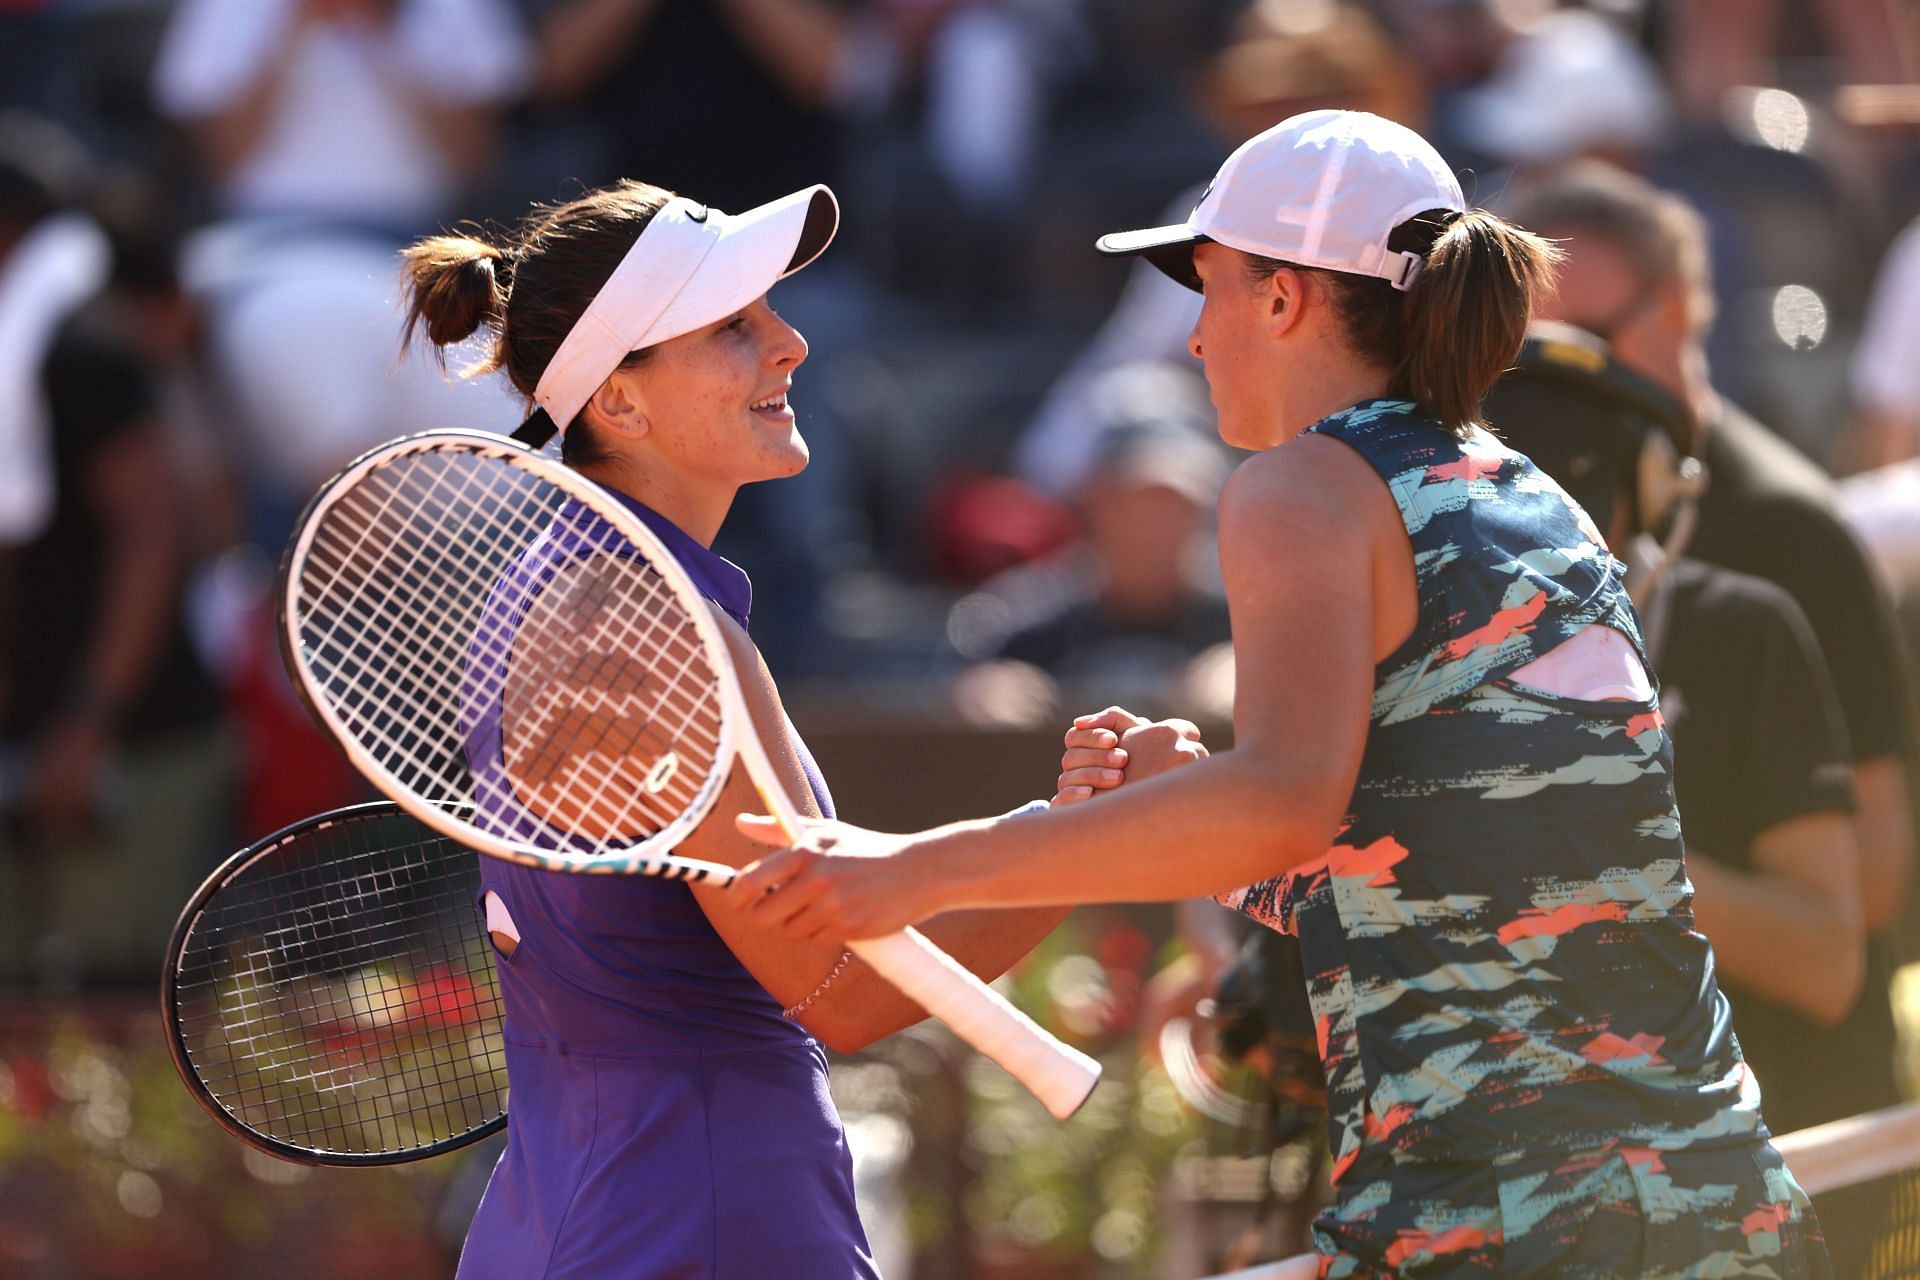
x=1309, y=484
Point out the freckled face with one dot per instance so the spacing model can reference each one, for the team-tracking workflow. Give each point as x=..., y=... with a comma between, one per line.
x=716, y=399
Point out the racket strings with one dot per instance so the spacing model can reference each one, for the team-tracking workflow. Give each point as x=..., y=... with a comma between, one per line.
x=393, y=603
x=645, y=622
x=338, y=995
x=433, y=582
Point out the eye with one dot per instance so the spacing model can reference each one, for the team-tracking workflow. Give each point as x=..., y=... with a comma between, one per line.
x=738, y=322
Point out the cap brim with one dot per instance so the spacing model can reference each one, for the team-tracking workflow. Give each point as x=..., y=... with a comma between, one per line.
x=756, y=250
x=1168, y=248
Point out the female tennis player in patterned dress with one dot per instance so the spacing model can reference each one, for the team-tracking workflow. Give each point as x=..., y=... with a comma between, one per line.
x=670, y=1114
x=1450, y=776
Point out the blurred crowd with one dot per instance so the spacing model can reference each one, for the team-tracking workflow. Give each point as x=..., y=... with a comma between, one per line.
x=1008, y=515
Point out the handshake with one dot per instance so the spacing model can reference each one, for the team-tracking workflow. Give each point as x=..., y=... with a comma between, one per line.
x=1110, y=747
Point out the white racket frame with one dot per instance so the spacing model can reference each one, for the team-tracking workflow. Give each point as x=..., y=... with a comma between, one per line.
x=1060, y=1076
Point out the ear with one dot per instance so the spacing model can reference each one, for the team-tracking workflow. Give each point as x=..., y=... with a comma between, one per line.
x=617, y=406
x=1674, y=309
x=1281, y=300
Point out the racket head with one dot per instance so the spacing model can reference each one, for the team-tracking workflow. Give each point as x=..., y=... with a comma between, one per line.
x=396, y=593
x=330, y=998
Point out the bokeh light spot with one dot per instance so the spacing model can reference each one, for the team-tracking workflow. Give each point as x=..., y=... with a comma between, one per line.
x=1799, y=317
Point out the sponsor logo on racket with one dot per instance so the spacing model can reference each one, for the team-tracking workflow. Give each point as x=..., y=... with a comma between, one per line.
x=662, y=773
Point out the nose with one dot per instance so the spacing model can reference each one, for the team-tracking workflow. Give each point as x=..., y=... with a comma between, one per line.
x=1193, y=343
x=789, y=347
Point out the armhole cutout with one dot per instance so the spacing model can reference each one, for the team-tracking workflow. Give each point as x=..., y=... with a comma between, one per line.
x=500, y=925
x=1599, y=664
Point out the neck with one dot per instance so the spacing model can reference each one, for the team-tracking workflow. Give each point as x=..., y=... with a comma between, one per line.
x=1311, y=394
x=698, y=510
x=1696, y=390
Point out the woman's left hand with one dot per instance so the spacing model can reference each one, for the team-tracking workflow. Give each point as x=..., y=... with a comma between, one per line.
x=837, y=882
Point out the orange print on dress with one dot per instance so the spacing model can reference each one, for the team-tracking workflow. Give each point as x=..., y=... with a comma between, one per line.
x=1374, y=861
x=1644, y=721
x=1608, y=1047
x=1535, y=923
x=1467, y=467
x=1504, y=623
x=1768, y=1217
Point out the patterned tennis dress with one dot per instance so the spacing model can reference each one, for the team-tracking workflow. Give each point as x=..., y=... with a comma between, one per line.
x=1530, y=1069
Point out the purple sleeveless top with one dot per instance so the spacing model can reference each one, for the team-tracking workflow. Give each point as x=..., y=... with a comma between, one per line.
x=666, y=1122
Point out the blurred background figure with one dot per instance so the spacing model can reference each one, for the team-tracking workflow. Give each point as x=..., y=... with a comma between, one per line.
x=1132, y=611
x=1521, y=84
x=1761, y=757
x=327, y=132
x=330, y=131
x=1886, y=379
x=113, y=765
x=1637, y=274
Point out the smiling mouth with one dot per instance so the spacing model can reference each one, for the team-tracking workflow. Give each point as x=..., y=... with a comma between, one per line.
x=772, y=404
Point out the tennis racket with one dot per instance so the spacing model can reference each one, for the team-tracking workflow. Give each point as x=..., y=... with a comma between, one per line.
x=509, y=653
x=329, y=994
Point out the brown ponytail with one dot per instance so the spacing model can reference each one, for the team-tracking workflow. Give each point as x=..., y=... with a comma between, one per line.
x=1466, y=315
x=1448, y=339
x=452, y=289
x=530, y=290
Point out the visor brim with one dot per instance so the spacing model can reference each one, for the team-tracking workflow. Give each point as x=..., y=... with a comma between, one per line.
x=1168, y=248
x=755, y=251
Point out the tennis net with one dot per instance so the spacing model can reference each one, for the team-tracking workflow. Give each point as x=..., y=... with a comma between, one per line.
x=1863, y=1173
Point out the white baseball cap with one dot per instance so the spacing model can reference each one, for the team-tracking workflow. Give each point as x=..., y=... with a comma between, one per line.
x=690, y=267
x=1320, y=189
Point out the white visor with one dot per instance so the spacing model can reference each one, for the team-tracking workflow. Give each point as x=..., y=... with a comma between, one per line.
x=691, y=267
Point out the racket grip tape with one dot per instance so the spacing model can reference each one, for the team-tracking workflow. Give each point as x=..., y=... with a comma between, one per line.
x=1059, y=1075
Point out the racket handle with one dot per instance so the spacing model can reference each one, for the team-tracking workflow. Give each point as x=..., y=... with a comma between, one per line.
x=1060, y=1076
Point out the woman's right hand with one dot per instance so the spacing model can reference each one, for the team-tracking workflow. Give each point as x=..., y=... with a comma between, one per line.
x=1110, y=747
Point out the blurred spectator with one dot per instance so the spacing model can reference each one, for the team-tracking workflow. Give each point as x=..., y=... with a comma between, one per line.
x=1760, y=757
x=641, y=78
x=1571, y=84
x=332, y=129
x=1457, y=45
x=1883, y=508
x=1886, y=374
x=115, y=778
x=1715, y=46
x=370, y=113
x=1132, y=612
x=1636, y=274
x=991, y=70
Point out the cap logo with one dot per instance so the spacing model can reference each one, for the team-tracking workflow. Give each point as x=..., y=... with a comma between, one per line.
x=1211, y=183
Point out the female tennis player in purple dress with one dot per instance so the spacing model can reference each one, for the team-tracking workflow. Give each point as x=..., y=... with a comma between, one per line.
x=670, y=1114
x=1450, y=776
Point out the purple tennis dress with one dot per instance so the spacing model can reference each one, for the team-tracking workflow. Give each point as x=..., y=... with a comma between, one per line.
x=666, y=1122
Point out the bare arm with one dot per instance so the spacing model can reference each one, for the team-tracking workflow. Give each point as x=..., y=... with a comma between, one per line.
x=580, y=42
x=1883, y=824
x=128, y=486
x=226, y=137
x=1303, y=610
x=1792, y=926
x=800, y=41
x=858, y=1007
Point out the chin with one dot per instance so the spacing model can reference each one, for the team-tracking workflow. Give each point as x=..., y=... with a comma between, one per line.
x=790, y=459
